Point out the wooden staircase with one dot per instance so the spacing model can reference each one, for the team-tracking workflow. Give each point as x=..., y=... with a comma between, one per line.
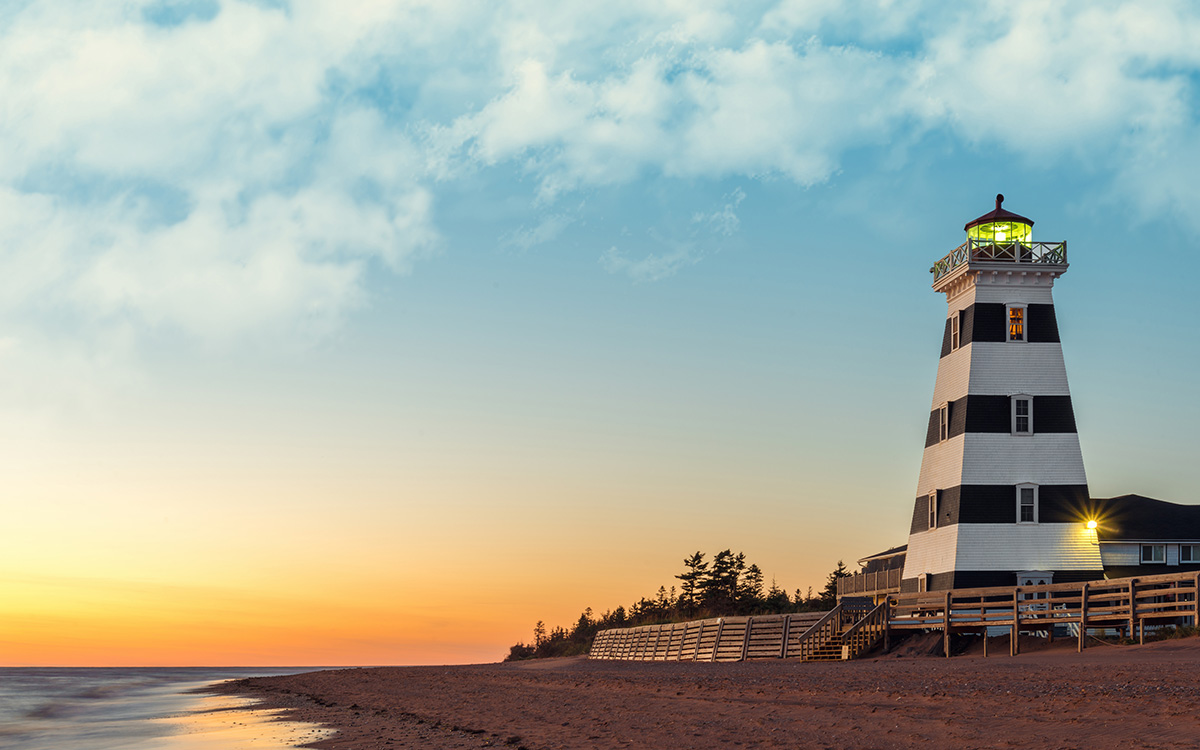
x=851, y=629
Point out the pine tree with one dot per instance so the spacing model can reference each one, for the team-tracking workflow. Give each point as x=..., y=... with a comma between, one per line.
x=829, y=593
x=692, y=581
x=750, y=590
x=720, y=588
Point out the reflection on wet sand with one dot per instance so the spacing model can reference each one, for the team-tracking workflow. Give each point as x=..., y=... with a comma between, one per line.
x=225, y=722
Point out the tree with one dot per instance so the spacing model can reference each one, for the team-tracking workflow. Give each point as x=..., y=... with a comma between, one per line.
x=539, y=633
x=777, y=600
x=750, y=590
x=692, y=581
x=829, y=593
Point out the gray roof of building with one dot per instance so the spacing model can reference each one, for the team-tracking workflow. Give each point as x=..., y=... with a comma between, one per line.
x=890, y=552
x=1136, y=518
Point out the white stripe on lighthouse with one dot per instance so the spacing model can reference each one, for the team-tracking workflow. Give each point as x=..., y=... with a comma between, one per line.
x=999, y=368
x=1043, y=546
x=996, y=458
x=932, y=552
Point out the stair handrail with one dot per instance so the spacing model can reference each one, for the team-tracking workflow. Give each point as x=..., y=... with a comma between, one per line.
x=867, y=620
x=873, y=623
x=817, y=627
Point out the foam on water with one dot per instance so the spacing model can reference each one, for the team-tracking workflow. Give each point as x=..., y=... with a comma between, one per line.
x=138, y=709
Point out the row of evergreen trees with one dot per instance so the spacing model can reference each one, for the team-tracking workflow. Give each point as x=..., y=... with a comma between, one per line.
x=722, y=586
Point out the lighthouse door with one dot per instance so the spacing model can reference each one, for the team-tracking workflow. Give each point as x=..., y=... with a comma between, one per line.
x=1035, y=578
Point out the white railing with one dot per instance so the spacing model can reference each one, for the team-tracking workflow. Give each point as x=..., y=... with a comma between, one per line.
x=1054, y=253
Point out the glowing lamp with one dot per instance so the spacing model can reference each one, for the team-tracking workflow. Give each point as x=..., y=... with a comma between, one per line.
x=1091, y=524
x=1000, y=226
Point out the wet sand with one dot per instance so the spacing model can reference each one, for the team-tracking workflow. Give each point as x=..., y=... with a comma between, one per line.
x=1109, y=697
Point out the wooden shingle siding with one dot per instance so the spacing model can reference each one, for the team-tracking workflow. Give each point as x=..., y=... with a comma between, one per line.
x=1121, y=554
x=1042, y=546
x=931, y=551
x=952, y=377
x=980, y=413
x=1007, y=295
x=1043, y=325
x=1002, y=368
x=1051, y=458
x=1035, y=369
x=996, y=503
x=988, y=322
x=941, y=465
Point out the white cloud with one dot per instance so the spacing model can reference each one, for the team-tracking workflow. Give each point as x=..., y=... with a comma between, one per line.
x=652, y=267
x=725, y=221
x=266, y=159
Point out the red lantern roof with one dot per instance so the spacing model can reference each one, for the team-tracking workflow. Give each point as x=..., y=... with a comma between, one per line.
x=998, y=215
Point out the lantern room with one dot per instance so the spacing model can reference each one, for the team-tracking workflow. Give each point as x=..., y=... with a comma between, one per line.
x=1000, y=227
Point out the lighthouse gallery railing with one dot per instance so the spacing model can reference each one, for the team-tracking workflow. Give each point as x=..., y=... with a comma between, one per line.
x=1054, y=253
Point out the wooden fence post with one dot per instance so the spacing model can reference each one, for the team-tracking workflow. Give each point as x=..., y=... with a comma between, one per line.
x=1132, y=606
x=717, y=643
x=946, y=625
x=1014, y=636
x=887, y=620
x=1196, y=600
x=787, y=622
x=746, y=638
x=1083, y=595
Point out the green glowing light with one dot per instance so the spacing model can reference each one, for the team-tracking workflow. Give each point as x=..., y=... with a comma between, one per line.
x=1002, y=231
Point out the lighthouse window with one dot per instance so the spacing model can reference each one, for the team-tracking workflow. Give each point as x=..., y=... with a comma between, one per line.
x=1027, y=503
x=1154, y=553
x=1022, y=415
x=1016, y=323
x=955, y=327
x=933, y=509
x=944, y=422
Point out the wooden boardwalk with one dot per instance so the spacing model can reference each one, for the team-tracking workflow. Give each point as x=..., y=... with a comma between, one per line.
x=1126, y=605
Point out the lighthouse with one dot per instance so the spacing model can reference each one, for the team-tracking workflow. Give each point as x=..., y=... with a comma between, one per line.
x=1002, y=498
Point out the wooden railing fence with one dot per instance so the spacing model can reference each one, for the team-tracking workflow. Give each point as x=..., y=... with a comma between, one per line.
x=1123, y=604
x=1126, y=605
x=866, y=584
x=715, y=639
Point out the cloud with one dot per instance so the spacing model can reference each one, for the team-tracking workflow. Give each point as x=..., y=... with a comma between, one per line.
x=546, y=230
x=652, y=267
x=725, y=221
x=198, y=177
x=236, y=169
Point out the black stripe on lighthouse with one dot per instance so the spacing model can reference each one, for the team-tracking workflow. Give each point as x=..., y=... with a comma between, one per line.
x=993, y=414
x=997, y=503
x=988, y=321
x=972, y=579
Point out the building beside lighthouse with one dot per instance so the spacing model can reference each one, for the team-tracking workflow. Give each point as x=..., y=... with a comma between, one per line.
x=1002, y=496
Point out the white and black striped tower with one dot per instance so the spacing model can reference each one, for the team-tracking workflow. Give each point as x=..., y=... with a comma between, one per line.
x=1002, y=496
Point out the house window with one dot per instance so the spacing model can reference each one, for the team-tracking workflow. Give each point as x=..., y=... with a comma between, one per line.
x=923, y=583
x=1027, y=503
x=933, y=509
x=1154, y=553
x=956, y=330
x=1189, y=553
x=1016, y=323
x=1022, y=414
x=944, y=422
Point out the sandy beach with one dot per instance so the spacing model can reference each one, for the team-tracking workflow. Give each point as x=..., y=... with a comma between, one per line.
x=1108, y=697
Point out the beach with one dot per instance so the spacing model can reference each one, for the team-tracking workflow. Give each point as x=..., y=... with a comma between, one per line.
x=1048, y=697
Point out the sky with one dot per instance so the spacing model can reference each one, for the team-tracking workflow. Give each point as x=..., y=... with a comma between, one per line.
x=367, y=332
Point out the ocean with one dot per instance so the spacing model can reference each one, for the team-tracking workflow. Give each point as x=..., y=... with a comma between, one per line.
x=138, y=709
